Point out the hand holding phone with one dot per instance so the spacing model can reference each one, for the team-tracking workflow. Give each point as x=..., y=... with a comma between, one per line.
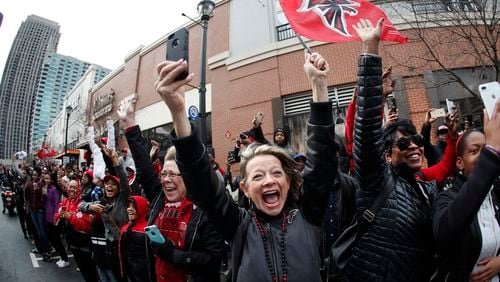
x=230, y=156
x=154, y=234
x=392, y=105
x=178, y=48
x=490, y=93
x=452, y=108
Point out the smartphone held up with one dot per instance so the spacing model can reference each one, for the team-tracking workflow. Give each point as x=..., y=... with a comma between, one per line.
x=438, y=113
x=490, y=94
x=452, y=108
x=178, y=48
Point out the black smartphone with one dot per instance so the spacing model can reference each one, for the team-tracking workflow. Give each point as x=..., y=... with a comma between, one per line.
x=393, y=103
x=231, y=155
x=178, y=48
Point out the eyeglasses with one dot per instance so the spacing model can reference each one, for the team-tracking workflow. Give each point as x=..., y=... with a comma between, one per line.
x=404, y=142
x=171, y=176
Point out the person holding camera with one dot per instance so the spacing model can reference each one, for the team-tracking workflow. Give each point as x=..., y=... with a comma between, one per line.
x=434, y=153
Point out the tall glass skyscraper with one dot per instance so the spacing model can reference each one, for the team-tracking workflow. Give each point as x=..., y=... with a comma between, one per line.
x=36, y=38
x=59, y=75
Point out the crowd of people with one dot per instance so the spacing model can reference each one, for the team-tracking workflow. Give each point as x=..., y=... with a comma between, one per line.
x=281, y=217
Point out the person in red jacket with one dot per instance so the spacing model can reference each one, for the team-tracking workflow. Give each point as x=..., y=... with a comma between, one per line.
x=133, y=249
x=78, y=230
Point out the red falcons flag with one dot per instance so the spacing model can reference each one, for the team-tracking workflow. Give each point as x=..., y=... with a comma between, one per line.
x=332, y=20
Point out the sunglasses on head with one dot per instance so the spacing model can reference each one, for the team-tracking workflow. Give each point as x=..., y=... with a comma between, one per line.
x=404, y=142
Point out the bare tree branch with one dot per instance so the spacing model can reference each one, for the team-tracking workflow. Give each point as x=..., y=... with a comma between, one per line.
x=453, y=33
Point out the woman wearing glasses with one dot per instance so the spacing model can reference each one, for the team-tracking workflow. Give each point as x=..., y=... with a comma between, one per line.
x=192, y=250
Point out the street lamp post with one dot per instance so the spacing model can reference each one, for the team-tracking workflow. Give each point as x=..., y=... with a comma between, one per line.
x=69, y=109
x=205, y=10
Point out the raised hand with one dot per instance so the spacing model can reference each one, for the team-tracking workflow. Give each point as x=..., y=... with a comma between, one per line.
x=392, y=117
x=172, y=93
x=170, y=90
x=492, y=127
x=369, y=34
x=316, y=69
x=452, y=123
x=387, y=82
x=366, y=31
x=428, y=117
x=126, y=111
x=315, y=66
x=155, y=148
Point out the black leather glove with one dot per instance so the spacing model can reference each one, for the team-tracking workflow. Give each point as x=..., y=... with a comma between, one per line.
x=165, y=251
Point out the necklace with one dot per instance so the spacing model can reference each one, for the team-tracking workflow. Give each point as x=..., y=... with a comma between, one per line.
x=266, y=247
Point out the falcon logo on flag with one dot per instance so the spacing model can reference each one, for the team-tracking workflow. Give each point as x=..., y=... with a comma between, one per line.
x=332, y=12
x=332, y=20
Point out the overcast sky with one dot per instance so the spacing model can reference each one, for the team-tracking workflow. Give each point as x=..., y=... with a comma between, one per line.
x=97, y=31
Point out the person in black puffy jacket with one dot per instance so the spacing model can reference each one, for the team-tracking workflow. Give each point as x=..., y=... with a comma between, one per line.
x=398, y=244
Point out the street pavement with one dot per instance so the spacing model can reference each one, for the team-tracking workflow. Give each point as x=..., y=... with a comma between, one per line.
x=18, y=264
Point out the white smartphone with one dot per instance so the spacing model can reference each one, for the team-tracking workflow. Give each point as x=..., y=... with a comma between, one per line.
x=452, y=108
x=437, y=113
x=490, y=93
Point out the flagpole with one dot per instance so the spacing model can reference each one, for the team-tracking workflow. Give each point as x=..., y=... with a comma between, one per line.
x=308, y=50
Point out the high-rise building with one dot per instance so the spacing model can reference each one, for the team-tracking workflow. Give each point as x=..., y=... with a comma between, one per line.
x=36, y=38
x=59, y=75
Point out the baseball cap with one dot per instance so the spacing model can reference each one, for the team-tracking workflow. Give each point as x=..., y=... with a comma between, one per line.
x=111, y=177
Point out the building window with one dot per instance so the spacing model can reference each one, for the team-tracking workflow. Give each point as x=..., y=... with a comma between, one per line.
x=296, y=112
x=427, y=6
x=284, y=32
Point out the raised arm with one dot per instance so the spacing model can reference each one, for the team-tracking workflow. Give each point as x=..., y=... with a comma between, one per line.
x=453, y=215
x=99, y=164
x=368, y=143
x=138, y=147
x=440, y=171
x=203, y=186
x=321, y=165
x=429, y=152
x=120, y=171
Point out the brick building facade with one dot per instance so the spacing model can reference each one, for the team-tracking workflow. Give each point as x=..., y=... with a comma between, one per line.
x=243, y=81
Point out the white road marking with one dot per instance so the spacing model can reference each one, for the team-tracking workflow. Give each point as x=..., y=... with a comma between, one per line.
x=34, y=260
